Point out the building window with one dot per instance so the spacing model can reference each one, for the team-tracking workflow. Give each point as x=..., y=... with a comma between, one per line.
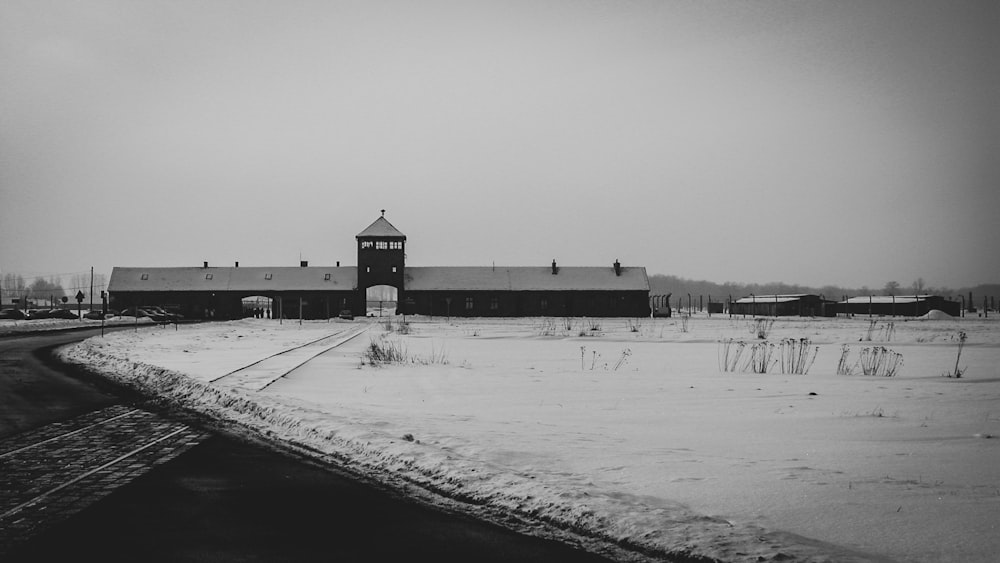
x=469, y=303
x=145, y=276
x=494, y=303
x=368, y=269
x=208, y=276
x=267, y=276
x=326, y=277
x=544, y=304
x=394, y=269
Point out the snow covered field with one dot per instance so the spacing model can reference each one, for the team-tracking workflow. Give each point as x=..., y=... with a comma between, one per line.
x=624, y=429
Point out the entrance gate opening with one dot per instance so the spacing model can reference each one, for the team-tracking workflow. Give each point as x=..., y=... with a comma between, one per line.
x=381, y=300
x=258, y=306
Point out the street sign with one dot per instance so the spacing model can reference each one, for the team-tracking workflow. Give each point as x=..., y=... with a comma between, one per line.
x=79, y=297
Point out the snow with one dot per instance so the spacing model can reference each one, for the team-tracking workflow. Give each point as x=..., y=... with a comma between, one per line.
x=623, y=430
x=9, y=326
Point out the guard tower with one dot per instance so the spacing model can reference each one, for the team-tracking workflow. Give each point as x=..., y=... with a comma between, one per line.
x=381, y=259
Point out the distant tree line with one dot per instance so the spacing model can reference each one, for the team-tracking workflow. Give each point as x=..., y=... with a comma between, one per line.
x=46, y=290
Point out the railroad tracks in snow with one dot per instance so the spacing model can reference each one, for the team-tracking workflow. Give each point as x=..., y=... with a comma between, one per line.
x=262, y=373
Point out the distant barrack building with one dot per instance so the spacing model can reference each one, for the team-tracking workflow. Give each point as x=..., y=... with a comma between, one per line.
x=322, y=292
x=902, y=305
x=808, y=305
x=795, y=305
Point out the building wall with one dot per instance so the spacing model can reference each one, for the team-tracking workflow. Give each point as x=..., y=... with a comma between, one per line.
x=529, y=303
x=913, y=309
x=807, y=306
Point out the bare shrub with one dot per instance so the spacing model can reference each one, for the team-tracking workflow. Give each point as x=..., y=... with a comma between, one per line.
x=623, y=358
x=761, y=327
x=844, y=366
x=730, y=352
x=634, y=325
x=961, y=344
x=381, y=351
x=879, y=361
x=547, y=328
x=685, y=319
x=871, y=328
x=887, y=330
x=761, y=358
x=737, y=355
x=797, y=356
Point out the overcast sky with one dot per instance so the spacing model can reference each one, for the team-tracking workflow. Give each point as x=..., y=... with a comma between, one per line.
x=836, y=142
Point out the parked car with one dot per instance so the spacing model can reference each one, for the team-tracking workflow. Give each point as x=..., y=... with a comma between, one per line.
x=167, y=315
x=12, y=314
x=346, y=314
x=38, y=314
x=62, y=314
x=98, y=315
x=142, y=312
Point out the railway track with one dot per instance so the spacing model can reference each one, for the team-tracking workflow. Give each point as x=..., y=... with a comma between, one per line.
x=53, y=472
x=264, y=372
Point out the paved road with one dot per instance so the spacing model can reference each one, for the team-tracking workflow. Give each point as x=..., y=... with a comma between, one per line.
x=85, y=474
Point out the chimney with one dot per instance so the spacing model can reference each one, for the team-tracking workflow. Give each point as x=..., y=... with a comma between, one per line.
x=205, y=265
x=618, y=268
x=303, y=263
x=338, y=263
x=237, y=263
x=554, y=269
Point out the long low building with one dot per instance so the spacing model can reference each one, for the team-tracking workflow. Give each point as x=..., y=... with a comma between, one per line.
x=791, y=305
x=322, y=292
x=898, y=305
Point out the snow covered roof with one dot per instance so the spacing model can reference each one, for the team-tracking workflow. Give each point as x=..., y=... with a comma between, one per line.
x=525, y=278
x=888, y=298
x=773, y=298
x=233, y=279
x=381, y=228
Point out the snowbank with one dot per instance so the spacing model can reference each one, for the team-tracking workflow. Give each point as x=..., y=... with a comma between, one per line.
x=8, y=326
x=936, y=315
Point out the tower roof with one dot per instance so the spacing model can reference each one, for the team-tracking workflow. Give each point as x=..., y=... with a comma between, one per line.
x=381, y=228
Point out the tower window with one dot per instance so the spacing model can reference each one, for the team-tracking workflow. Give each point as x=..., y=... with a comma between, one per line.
x=367, y=244
x=394, y=269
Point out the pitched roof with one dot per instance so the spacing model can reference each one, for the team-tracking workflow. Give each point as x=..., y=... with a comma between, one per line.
x=865, y=299
x=774, y=298
x=262, y=279
x=526, y=278
x=381, y=228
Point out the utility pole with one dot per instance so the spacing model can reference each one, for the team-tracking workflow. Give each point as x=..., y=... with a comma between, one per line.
x=91, y=287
